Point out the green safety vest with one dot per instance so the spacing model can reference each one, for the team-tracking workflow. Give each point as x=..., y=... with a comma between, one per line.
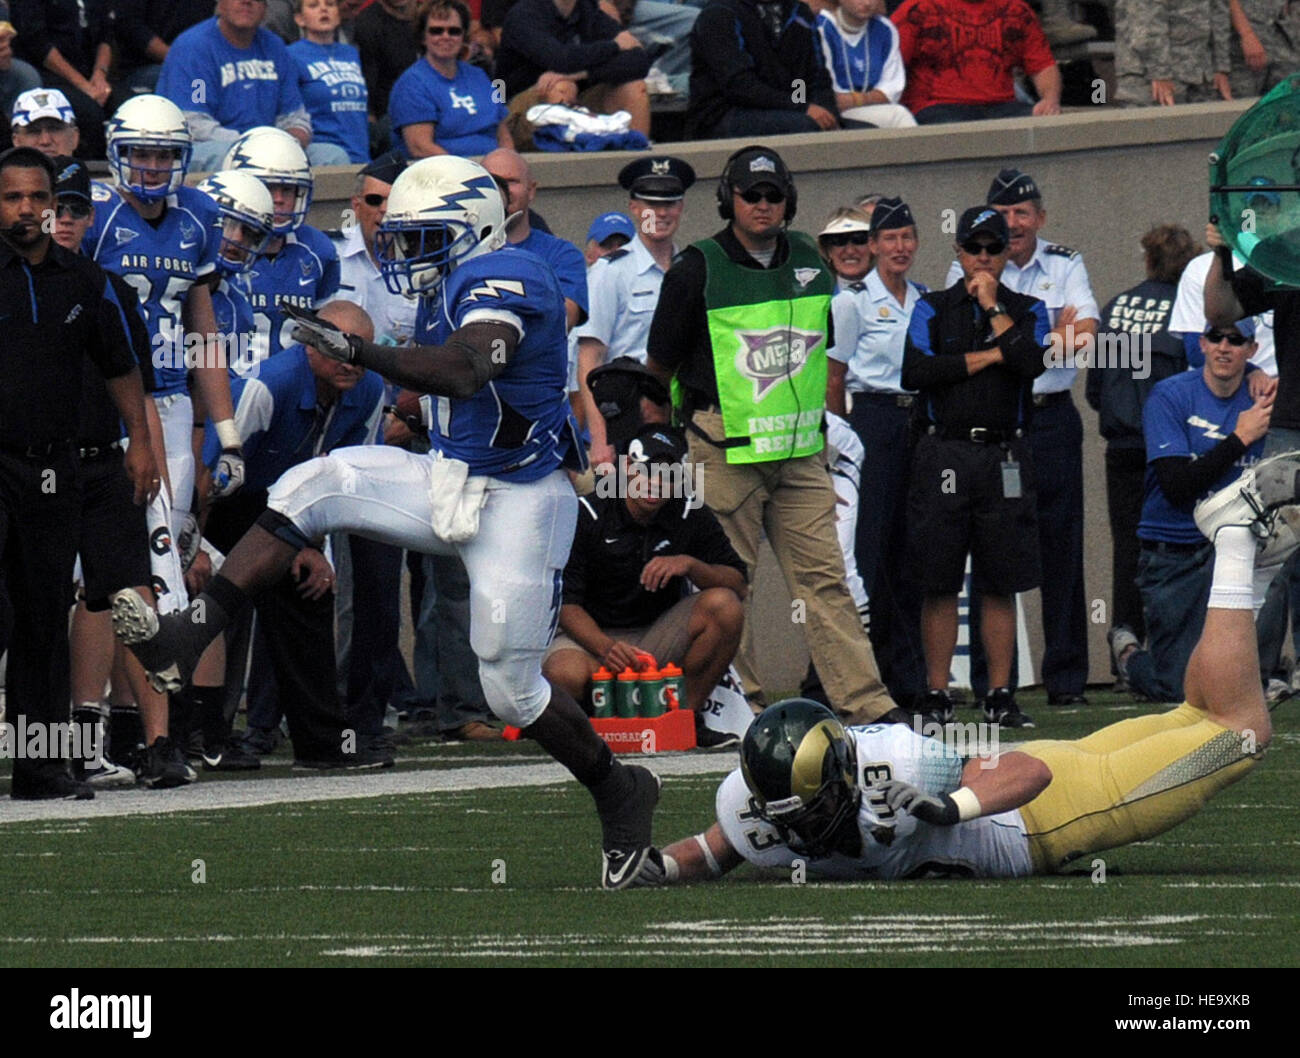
x=768, y=332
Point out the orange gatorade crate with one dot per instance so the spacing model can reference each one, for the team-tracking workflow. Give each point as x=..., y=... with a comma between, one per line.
x=648, y=734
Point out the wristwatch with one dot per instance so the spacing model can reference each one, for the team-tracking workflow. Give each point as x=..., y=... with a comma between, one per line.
x=998, y=309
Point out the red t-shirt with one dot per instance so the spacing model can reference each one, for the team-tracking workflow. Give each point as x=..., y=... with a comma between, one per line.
x=963, y=51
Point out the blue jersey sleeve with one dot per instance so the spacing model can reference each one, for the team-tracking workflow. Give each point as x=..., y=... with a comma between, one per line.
x=1164, y=423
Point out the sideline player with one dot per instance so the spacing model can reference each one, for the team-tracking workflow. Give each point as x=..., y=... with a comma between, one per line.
x=299, y=265
x=882, y=802
x=492, y=357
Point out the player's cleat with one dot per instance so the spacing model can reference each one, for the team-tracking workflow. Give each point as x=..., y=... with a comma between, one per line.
x=936, y=707
x=159, y=643
x=626, y=829
x=707, y=738
x=106, y=775
x=234, y=755
x=165, y=766
x=55, y=786
x=1120, y=638
x=1251, y=500
x=1000, y=708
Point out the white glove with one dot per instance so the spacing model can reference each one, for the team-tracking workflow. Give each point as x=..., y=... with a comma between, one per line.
x=190, y=540
x=321, y=335
x=229, y=475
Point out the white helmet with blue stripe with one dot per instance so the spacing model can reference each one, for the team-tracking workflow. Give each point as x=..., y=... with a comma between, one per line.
x=247, y=216
x=277, y=159
x=442, y=211
x=149, y=146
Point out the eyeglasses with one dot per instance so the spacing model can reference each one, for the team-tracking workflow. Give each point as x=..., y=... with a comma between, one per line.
x=991, y=248
x=754, y=196
x=74, y=208
x=1233, y=339
x=438, y=31
x=846, y=238
x=374, y=201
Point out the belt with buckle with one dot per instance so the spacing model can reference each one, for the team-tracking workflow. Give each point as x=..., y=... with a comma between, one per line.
x=99, y=451
x=897, y=400
x=981, y=435
x=37, y=451
x=1042, y=400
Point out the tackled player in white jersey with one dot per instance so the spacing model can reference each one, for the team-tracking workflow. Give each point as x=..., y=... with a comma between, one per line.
x=492, y=356
x=882, y=802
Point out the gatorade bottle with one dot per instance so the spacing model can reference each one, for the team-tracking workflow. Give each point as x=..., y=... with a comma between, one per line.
x=627, y=693
x=652, y=693
x=673, y=678
x=602, y=692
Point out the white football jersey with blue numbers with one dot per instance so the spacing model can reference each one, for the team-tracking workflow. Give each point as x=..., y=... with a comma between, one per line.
x=893, y=845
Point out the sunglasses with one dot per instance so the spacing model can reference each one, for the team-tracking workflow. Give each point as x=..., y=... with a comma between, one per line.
x=1233, y=339
x=374, y=201
x=846, y=238
x=754, y=196
x=438, y=31
x=991, y=248
x=74, y=208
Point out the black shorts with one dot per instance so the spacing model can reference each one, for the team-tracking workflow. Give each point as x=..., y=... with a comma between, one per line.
x=114, y=538
x=955, y=507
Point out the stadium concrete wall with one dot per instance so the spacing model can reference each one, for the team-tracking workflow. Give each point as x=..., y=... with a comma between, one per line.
x=1106, y=176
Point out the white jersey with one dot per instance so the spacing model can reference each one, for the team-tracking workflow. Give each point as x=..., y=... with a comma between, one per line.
x=1188, y=316
x=893, y=846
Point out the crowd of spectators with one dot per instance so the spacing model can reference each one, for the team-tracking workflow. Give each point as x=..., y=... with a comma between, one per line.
x=351, y=79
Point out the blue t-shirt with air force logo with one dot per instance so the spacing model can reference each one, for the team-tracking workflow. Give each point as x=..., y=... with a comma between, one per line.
x=1183, y=418
x=465, y=112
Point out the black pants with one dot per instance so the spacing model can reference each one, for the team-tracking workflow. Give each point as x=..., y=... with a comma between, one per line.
x=40, y=503
x=1125, y=485
x=300, y=639
x=376, y=670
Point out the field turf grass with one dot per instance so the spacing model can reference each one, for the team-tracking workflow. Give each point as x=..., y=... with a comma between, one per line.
x=508, y=875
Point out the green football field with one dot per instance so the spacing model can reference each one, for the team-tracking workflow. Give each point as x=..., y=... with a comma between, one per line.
x=471, y=856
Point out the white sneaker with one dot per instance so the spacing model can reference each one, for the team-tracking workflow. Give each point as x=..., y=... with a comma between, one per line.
x=1251, y=500
x=107, y=774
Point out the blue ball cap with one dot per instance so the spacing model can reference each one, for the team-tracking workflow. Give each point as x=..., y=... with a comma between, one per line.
x=608, y=224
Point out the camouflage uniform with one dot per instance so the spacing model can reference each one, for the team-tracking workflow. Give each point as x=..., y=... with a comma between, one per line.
x=1277, y=24
x=1183, y=41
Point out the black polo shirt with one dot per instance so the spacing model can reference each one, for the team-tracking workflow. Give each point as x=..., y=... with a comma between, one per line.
x=53, y=317
x=101, y=423
x=947, y=324
x=611, y=548
x=679, y=333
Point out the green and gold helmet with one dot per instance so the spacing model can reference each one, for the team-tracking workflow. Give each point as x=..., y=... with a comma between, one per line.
x=800, y=765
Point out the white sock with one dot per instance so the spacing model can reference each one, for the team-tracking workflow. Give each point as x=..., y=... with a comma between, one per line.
x=1234, y=569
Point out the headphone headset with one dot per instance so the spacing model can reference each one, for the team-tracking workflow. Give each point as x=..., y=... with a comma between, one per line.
x=726, y=189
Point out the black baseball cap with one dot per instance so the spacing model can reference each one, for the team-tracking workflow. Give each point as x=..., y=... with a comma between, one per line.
x=71, y=177
x=386, y=168
x=982, y=220
x=657, y=443
x=759, y=165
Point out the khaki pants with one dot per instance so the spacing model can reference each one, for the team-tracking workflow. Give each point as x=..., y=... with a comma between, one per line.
x=794, y=502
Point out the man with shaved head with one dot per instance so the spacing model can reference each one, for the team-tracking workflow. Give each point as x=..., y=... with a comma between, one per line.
x=519, y=190
x=301, y=404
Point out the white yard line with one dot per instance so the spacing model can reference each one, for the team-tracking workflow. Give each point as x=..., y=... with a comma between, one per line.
x=253, y=793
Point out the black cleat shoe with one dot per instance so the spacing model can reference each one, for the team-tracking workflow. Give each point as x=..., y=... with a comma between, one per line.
x=1066, y=699
x=626, y=830
x=165, y=766
x=234, y=755
x=263, y=740
x=936, y=707
x=52, y=787
x=1000, y=708
x=160, y=643
x=369, y=754
x=707, y=738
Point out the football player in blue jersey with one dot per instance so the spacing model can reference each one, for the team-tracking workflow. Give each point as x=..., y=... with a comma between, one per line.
x=158, y=235
x=300, y=265
x=491, y=355
x=246, y=215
